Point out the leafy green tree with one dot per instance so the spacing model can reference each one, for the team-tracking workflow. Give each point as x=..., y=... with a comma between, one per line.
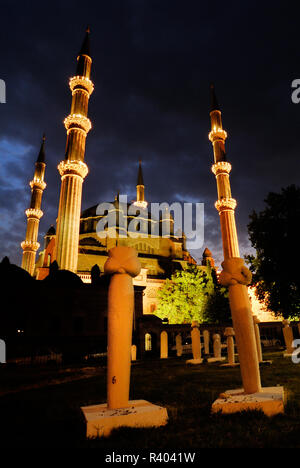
x=187, y=296
x=217, y=308
x=274, y=234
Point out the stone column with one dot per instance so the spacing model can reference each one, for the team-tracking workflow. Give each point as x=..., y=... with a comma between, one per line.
x=229, y=333
x=133, y=352
x=164, y=345
x=236, y=275
x=217, y=346
x=196, y=344
x=256, y=321
x=123, y=265
x=288, y=337
x=206, y=341
x=178, y=345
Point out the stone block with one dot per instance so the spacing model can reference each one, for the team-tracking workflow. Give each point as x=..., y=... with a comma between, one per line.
x=270, y=400
x=100, y=420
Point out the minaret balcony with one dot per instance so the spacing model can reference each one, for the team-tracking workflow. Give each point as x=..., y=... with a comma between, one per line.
x=221, y=167
x=40, y=184
x=81, y=82
x=225, y=204
x=30, y=246
x=34, y=213
x=73, y=167
x=217, y=134
x=78, y=121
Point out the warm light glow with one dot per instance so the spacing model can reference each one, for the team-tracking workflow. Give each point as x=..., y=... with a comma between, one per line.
x=40, y=184
x=34, y=213
x=30, y=245
x=217, y=134
x=81, y=81
x=142, y=204
x=225, y=204
x=73, y=167
x=79, y=120
x=221, y=167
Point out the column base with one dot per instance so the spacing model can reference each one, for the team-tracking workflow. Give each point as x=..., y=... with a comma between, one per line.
x=194, y=361
x=265, y=363
x=228, y=364
x=216, y=359
x=100, y=420
x=270, y=400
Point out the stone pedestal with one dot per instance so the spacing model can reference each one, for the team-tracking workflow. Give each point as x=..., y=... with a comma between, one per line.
x=196, y=344
x=270, y=400
x=122, y=264
x=100, y=420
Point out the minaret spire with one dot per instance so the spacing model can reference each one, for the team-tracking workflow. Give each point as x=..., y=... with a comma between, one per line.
x=213, y=99
x=34, y=213
x=41, y=156
x=140, y=188
x=73, y=169
x=225, y=204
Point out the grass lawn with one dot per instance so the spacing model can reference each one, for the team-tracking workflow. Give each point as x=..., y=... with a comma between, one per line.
x=40, y=406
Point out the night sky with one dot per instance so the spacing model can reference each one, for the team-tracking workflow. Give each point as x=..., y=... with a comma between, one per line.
x=153, y=62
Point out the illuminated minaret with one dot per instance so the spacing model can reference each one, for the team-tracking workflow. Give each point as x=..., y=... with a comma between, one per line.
x=221, y=168
x=140, y=189
x=235, y=274
x=34, y=213
x=73, y=169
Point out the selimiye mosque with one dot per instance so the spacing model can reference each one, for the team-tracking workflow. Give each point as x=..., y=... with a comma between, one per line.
x=76, y=243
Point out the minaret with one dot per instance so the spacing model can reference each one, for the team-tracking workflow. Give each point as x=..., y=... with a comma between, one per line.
x=225, y=204
x=34, y=213
x=235, y=274
x=140, y=188
x=73, y=169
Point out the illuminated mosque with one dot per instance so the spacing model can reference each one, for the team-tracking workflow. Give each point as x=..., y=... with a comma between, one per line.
x=75, y=243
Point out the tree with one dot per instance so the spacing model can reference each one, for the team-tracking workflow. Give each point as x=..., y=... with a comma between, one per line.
x=274, y=234
x=187, y=296
x=217, y=308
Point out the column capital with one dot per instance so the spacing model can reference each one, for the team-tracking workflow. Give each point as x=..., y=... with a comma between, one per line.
x=234, y=272
x=229, y=331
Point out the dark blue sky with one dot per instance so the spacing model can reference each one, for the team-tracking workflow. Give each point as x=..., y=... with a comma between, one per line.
x=152, y=65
